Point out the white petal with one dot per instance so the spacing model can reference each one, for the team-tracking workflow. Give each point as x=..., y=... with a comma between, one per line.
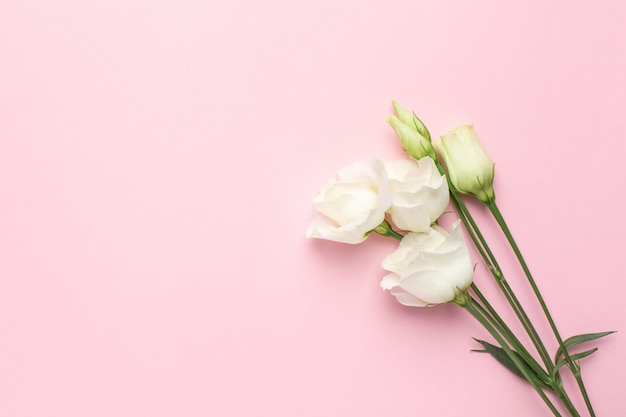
x=430, y=286
x=408, y=299
x=389, y=281
x=399, y=259
x=399, y=169
x=322, y=227
x=411, y=218
x=347, y=203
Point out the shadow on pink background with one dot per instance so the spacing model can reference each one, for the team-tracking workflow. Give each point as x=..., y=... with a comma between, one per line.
x=157, y=165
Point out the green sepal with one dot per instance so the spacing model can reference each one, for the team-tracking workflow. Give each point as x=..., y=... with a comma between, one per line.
x=385, y=229
x=576, y=340
x=501, y=356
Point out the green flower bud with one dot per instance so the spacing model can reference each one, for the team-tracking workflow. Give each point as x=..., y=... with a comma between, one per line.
x=412, y=133
x=469, y=167
x=410, y=119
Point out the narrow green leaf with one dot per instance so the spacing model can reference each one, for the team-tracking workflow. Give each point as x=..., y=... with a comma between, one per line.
x=575, y=357
x=501, y=356
x=576, y=340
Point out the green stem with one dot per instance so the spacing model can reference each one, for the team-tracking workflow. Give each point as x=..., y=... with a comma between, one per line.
x=583, y=391
x=492, y=315
x=560, y=391
x=495, y=211
x=468, y=304
x=483, y=248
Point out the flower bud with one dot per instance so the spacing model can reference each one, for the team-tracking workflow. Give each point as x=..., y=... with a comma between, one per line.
x=410, y=119
x=413, y=135
x=469, y=167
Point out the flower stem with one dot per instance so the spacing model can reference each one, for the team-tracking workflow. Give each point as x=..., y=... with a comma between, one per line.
x=483, y=248
x=566, y=400
x=583, y=391
x=495, y=211
x=492, y=315
x=468, y=303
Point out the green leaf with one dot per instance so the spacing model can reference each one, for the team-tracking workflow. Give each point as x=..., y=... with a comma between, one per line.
x=576, y=340
x=501, y=356
x=575, y=357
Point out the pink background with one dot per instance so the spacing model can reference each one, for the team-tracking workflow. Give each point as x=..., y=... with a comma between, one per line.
x=157, y=165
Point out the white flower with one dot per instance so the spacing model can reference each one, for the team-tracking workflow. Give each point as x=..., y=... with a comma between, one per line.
x=420, y=193
x=429, y=268
x=353, y=204
x=469, y=166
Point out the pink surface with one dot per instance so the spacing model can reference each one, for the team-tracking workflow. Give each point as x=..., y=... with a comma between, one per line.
x=157, y=165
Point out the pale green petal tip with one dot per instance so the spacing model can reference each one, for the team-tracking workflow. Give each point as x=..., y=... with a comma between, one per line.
x=392, y=120
x=410, y=119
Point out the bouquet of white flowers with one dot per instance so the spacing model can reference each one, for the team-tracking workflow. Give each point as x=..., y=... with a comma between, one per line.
x=403, y=200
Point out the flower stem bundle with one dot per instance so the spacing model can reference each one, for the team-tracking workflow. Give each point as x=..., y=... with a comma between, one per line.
x=403, y=200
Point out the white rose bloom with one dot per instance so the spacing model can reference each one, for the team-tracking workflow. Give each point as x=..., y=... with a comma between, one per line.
x=419, y=192
x=429, y=268
x=352, y=204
